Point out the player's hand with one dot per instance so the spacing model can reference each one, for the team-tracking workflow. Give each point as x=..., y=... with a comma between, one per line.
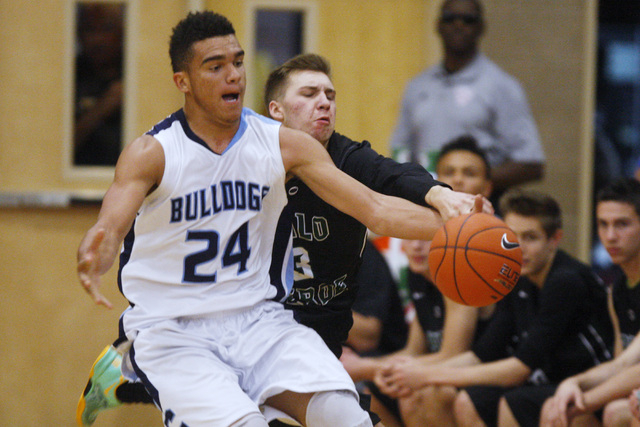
x=88, y=267
x=566, y=403
x=385, y=383
x=353, y=364
x=451, y=204
x=403, y=377
x=634, y=403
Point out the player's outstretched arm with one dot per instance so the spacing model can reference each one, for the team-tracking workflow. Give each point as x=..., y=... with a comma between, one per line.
x=138, y=171
x=307, y=159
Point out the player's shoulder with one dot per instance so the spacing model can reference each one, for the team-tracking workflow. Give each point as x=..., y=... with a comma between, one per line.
x=348, y=154
x=499, y=78
x=251, y=116
x=570, y=271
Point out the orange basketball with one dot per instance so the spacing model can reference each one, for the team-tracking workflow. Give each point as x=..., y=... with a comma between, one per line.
x=475, y=259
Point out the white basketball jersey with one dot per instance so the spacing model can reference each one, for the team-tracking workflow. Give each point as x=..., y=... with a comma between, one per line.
x=201, y=243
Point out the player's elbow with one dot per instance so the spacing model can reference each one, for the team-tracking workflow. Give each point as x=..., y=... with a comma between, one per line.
x=518, y=374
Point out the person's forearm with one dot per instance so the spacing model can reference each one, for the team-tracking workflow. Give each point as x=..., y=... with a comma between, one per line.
x=598, y=374
x=616, y=387
x=503, y=373
x=365, y=333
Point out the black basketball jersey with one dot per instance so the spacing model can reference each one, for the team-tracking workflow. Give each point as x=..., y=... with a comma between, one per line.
x=626, y=302
x=557, y=331
x=429, y=306
x=328, y=244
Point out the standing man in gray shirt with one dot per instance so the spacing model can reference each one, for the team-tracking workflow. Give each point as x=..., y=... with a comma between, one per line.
x=469, y=94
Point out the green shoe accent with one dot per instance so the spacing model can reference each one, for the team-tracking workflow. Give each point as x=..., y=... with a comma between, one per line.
x=100, y=392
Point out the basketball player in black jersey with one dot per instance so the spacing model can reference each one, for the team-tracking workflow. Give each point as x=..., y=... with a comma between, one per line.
x=327, y=244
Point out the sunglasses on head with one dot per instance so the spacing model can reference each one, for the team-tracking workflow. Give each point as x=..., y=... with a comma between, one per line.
x=467, y=18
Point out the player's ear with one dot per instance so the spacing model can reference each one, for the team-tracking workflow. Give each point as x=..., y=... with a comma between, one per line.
x=557, y=236
x=181, y=80
x=275, y=111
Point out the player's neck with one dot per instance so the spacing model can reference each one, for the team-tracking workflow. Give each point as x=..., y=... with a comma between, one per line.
x=631, y=269
x=540, y=277
x=217, y=134
x=454, y=62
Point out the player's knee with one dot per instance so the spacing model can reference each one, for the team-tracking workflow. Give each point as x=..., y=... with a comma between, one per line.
x=251, y=420
x=464, y=410
x=505, y=415
x=616, y=413
x=336, y=408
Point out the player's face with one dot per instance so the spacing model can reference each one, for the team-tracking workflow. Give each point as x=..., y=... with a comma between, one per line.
x=460, y=26
x=464, y=171
x=538, y=250
x=215, y=81
x=309, y=104
x=417, y=252
x=619, y=231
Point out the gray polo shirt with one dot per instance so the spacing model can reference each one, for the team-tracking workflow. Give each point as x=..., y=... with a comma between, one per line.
x=481, y=100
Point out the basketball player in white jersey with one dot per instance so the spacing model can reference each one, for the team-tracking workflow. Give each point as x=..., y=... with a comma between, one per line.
x=199, y=198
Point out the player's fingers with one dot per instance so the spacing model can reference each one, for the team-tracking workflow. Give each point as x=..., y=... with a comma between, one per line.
x=98, y=298
x=84, y=264
x=101, y=300
x=579, y=402
x=404, y=392
x=487, y=207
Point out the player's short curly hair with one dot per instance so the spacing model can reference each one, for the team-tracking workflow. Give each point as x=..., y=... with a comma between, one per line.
x=625, y=190
x=195, y=27
x=534, y=204
x=276, y=82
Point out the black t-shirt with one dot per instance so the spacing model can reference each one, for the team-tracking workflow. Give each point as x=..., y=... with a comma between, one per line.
x=430, y=308
x=626, y=303
x=429, y=305
x=557, y=331
x=327, y=244
x=378, y=297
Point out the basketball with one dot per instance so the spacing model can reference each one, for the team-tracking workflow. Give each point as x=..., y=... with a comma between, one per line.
x=475, y=259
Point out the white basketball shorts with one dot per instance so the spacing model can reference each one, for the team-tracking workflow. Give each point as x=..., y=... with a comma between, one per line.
x=211, y=371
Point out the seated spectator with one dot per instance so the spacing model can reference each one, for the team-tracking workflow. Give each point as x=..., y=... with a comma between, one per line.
x=378, y=317
x=552, y=325
x=579, y=398
x=432, y=335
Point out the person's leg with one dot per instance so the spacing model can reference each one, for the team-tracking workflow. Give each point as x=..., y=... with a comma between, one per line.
x=295, y=367
x=251, y=420
x=100, y=391
x=388, y=417
x=385, y=407
x=179, y=364
x=521, y=406
x=505, y=416
x=585, y=420
x=617, y=413
x=430, y=406
x=478, y=406
x=327, y=408
x=465, y=412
